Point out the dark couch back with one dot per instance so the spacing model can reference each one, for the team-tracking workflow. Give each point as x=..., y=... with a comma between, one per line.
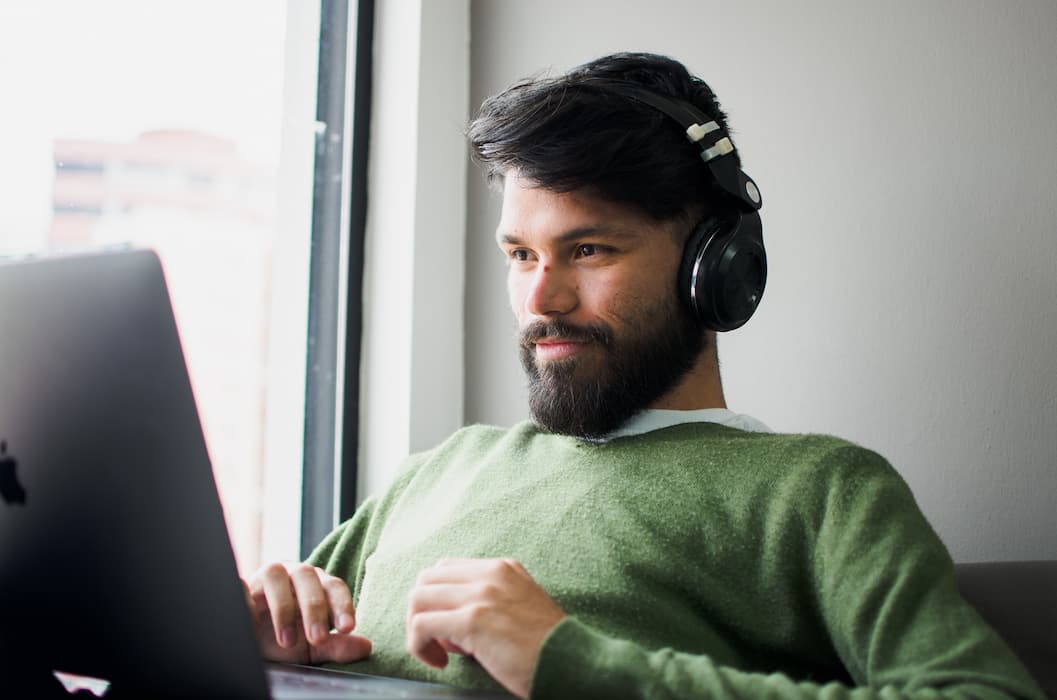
x=1019, y=599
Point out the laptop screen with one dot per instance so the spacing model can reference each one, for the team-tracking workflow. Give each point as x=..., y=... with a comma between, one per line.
x=114, y=556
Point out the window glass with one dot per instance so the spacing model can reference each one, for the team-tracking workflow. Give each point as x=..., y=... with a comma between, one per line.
x=159, y=124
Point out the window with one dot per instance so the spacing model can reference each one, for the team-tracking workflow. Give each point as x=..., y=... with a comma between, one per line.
x=189, y=127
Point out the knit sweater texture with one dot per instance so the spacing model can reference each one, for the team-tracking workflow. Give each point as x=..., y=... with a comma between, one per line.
x=694, y=561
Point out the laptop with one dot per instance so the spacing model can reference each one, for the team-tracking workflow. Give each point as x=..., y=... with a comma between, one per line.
x=115, y=562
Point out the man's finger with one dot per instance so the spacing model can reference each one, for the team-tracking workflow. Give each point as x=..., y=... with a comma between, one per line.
x=340, y=648
x=433, y=597
x=424, y=632
x=441, y=596
x=313, y=602
x=339, y=597
x=276, y=587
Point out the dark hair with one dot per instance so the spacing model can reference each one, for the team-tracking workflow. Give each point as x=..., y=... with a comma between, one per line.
x=570, y=132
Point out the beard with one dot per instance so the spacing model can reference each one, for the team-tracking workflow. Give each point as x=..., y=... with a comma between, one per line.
x=588, y=397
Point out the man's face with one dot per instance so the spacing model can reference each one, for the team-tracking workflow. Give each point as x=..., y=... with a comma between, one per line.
x=592, y=284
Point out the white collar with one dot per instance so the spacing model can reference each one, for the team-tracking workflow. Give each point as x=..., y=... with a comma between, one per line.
x=656, y=418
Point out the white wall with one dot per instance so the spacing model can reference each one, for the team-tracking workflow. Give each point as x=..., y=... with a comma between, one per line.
x=412, y=379
x=906, y=155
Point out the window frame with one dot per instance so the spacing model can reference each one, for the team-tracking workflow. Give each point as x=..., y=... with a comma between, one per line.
x=339, y=218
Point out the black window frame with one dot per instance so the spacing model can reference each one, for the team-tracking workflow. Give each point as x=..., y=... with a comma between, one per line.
x=328, y=492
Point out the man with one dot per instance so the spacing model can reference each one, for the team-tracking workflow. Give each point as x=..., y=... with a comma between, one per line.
x=636, y=538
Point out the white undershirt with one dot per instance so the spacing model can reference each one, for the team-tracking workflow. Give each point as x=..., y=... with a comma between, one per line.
x=655, y=419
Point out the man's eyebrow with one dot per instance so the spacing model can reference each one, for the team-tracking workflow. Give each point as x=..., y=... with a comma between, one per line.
x=599, y=232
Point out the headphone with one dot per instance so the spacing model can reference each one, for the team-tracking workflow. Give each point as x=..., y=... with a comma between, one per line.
x=724, y=265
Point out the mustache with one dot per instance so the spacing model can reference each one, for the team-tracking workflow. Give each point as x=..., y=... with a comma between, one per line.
x=572, y=332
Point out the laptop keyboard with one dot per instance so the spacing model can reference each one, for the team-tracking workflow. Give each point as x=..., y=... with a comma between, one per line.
x=292, y=683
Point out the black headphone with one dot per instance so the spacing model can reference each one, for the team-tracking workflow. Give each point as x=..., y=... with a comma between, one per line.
x=724, y=266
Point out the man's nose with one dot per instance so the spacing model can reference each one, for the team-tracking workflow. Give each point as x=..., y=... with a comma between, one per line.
x=552, y=291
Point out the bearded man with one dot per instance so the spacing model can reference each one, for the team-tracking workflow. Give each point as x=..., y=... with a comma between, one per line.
x=636, y=538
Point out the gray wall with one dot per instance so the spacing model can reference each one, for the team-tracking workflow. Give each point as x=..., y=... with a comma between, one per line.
x=906, y=152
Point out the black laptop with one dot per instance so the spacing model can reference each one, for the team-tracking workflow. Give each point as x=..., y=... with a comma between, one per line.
x=114, y=558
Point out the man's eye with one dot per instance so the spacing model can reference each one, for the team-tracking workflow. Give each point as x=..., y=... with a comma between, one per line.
x=586, y=250
x=519, y=254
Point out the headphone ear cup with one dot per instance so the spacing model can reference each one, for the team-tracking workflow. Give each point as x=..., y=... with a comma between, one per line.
x=689, y=265
x=724, y=270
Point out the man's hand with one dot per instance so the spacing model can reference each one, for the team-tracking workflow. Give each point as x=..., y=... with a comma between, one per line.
x=490, y=609
x=304, y=615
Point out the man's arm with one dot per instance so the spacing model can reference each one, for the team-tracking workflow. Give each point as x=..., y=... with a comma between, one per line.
x=886, y=598
x=578, y=662
x=492, y=610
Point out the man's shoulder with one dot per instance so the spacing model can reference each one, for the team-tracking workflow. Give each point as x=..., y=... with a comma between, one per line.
x=833, y=469
x=477, y=439
x=787, y=443
x=814, y=456
x=808, y=476
x=484, y=434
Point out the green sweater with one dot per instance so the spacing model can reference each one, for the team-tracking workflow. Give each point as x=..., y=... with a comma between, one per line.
x=694, y=561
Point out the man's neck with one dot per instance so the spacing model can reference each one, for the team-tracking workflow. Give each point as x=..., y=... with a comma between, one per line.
x=701, y=387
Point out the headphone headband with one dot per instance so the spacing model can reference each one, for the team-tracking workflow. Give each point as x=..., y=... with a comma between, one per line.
x=705, y=133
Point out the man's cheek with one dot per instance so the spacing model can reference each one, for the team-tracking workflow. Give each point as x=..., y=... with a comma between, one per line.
x=516, y=297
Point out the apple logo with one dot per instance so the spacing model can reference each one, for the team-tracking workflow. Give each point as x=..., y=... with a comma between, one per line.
x=10, y=490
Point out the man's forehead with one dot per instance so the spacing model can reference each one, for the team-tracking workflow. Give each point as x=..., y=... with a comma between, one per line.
x=529, y=210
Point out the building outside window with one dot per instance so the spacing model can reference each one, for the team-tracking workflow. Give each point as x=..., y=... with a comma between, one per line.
x=180, y=126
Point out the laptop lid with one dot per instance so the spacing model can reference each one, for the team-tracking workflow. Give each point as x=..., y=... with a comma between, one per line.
x=114, y=556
